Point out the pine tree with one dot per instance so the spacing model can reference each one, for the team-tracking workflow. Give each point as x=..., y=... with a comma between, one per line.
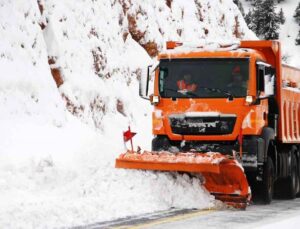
x=272, y=21
x=281, y=17
x=298, y=39
x=263, y=19
x=240, y=6
x=248, y=17
x=254, y=17
x=297, y=14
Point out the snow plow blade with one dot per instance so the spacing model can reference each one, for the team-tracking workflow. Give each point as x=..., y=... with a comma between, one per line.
x=223, y=176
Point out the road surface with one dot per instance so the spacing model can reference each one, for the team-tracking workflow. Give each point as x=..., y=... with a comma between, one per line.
x=255, y=216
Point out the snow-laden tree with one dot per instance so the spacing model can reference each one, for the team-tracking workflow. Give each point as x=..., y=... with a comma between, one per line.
x=272, y=21
x=248, y=18
x=297, y=14
x=297, y=18
x=281, y=16
x=298, y=39
x=253, y=16
x=254, y=0
x=263, y=20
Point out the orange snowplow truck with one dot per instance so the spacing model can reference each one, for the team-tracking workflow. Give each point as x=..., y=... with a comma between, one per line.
x=231, y=113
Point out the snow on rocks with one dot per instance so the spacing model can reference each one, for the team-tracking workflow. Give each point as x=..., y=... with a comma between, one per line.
x=26, y=85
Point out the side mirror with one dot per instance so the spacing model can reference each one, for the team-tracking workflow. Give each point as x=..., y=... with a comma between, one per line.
x=269, y=85
x=260, y=78
x=265, y=80
x=144, y=84
x=145, y=79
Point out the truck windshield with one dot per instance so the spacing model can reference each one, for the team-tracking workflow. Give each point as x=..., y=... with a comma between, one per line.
x=203, y=78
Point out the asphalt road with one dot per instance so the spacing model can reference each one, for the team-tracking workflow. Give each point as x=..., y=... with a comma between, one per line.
x=253, y=217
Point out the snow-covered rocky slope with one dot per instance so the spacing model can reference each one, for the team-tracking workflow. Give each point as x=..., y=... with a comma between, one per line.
x=58, y=145
x=288, y=31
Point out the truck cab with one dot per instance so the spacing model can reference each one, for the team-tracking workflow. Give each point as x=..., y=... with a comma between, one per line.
x=227, y=101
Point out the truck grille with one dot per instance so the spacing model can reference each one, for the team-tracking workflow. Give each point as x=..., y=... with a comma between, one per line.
x=202, y=125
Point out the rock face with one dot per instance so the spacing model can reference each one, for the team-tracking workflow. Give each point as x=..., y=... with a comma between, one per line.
x=89, y=41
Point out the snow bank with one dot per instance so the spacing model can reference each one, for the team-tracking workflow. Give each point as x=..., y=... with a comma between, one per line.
x=73, y=181
x=58, y=146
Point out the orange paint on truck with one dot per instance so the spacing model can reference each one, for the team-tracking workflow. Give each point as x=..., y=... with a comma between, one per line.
x=245, y=107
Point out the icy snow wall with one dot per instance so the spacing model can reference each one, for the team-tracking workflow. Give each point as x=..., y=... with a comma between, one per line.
x=59, y=137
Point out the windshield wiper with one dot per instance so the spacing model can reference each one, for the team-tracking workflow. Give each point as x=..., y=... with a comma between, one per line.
x=229, y=95
x=184, y=92
x=191, y=93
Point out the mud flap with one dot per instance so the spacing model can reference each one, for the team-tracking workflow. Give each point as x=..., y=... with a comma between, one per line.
x=223, y=176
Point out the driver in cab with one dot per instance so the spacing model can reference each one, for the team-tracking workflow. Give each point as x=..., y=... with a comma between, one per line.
x=237, y=83
x=186, y=84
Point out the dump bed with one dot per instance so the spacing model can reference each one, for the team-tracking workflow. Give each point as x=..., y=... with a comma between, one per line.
x=289, y=105
x=287, y=89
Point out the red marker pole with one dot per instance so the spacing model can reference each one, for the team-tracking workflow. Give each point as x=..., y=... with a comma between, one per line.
x=131, y=140
x=128, y=135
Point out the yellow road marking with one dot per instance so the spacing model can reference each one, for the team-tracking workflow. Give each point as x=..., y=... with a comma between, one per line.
x=167, y=219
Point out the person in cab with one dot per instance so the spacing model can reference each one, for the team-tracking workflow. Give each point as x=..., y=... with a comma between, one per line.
x=186, y=84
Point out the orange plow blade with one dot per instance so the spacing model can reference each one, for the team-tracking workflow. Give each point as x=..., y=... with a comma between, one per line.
x=223, y=176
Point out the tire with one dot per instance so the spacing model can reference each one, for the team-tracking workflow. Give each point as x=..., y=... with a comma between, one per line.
x=293, y=179
x=298, y=166
x=298, y=189
x=268, y=181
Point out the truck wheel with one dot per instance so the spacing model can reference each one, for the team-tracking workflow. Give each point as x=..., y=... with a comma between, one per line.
x=293, y=179
x=268, y=181
x=298, y=169
x=298, y=180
